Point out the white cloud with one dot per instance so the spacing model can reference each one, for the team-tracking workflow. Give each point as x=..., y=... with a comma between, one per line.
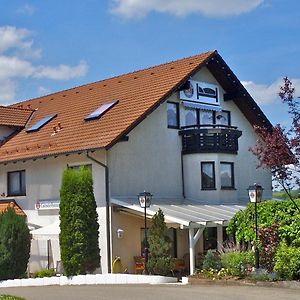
x=267, y=94
x=17, y=55
x=61, y=72
x=26, y=9
x=213, y=8
x=7, y=91
x=43, y=91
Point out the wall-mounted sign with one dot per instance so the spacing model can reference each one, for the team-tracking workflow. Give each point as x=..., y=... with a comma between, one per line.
x=47, y=204
x=200, y=92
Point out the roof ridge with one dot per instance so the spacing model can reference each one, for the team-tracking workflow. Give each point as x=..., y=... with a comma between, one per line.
x=117, y=76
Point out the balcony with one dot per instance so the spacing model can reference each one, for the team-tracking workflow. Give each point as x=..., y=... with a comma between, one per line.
x=210, y=139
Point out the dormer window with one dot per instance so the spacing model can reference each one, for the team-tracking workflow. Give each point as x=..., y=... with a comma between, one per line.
x=38, y=125
x=101, y=110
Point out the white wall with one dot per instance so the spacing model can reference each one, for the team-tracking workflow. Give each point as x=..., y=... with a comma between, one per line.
x=150, y=160
x=43, y=180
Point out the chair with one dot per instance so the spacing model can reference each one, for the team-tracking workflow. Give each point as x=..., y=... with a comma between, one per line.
x=139, y=264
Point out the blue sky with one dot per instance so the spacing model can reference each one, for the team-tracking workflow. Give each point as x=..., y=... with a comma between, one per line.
x=46, y=46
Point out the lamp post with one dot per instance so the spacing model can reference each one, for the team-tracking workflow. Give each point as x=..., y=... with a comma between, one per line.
x=255, y=195
x=145, y=202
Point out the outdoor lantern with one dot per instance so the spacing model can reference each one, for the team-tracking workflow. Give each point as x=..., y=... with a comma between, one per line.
x=145, y=202
x=145, y=199
x=255, y=193
x=120, y=233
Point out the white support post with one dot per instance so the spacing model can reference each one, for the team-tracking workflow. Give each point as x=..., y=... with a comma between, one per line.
x=193, y=239
x=192, y=251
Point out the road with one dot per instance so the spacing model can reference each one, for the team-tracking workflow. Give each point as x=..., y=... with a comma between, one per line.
x=157, y=292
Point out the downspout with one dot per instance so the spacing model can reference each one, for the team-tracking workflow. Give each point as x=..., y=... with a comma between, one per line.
x=107, y=208
x=182, y=177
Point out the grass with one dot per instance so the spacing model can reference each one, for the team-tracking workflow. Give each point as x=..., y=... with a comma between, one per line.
x=10, y=297
x=282, y=195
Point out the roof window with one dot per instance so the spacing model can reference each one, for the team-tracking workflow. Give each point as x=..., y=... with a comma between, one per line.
x=41, y=123
x=101, y=110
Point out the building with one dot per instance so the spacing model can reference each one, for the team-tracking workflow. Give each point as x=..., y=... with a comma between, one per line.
x=181, y=130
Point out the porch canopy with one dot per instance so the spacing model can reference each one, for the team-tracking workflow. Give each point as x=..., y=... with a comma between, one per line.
x=47, y=232
x=185, y=214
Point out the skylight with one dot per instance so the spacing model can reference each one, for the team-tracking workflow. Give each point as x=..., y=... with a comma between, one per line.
x=41, y=123
x=101, y=110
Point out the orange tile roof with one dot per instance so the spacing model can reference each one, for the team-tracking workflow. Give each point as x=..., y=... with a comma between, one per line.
x=5, y=204
x=11, y=116
x=138, y=93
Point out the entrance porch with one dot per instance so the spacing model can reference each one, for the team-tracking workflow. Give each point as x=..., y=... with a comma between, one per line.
x=194, y=228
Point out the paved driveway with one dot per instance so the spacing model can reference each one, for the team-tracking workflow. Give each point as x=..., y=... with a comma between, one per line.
x=157, y=292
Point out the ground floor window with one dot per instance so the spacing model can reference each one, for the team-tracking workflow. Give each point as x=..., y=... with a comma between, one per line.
x=77, y=167
x=210, y=238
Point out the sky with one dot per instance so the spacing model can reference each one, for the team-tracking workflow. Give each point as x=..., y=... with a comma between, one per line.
x=47, y=46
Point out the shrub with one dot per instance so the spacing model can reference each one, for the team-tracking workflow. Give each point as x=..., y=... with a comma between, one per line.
x=238, y=263
x=283, y=213
x=287, y=262
x=212, y=261
x=44, y=273
x=78, y=237
x=14, y=245
x=160, y=261
x=269, y=241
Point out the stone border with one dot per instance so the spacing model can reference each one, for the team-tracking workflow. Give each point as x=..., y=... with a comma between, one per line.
x=89, y=279
x=241, y=282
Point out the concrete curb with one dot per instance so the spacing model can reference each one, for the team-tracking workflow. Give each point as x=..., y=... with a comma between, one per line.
x=89, y=279
x=240, y=282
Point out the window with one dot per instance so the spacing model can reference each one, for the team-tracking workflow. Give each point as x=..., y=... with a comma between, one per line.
x=101, y=110
x=41, y=123
x=208, y=181
x=227, y=175
x=16, y=183
x=223, y=118
x=191, y=117
x=206, y=117
x=173, y=115
x=210, y=238
x=77, y=167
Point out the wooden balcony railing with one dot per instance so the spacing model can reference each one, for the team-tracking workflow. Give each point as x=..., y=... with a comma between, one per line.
x=210, y=139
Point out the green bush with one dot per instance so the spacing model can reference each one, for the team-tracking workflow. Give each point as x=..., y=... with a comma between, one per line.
x=44, y=273
x=79, y=227
x=287, y=262
x=14, y=245
x=10, y=297
x=212, y=261
x=282, y=213
x=238, y=263
x=160, y=261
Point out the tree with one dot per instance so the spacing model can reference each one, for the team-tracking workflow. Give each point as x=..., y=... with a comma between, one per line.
x=278, y=149
x=79, y=228
x=160, y=260
x=14, y=245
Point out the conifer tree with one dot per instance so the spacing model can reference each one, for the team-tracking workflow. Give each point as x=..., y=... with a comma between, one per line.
x=14, y=245
x=79, y=228
x=160, y=261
